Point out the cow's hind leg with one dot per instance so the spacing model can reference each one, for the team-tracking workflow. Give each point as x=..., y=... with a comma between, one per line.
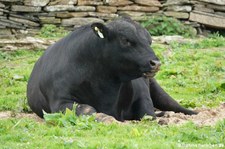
x=37, y=102
x=81, y=109
x=162, y=101
x=84, y=109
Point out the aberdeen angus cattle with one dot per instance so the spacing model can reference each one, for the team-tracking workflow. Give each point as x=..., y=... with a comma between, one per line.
x=102, y=68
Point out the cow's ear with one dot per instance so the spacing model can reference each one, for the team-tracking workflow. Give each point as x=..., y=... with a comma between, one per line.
x=100, y=30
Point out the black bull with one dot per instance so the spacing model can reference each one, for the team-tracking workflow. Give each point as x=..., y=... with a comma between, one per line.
x=102, y=68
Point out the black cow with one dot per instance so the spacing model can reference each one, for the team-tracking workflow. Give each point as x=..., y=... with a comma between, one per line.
x=102, y=68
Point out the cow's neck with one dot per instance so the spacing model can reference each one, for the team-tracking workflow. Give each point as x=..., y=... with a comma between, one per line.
x=93, y=64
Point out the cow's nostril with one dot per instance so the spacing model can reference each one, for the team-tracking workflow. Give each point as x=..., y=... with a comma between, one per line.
x=152, y=63
x=155, y=63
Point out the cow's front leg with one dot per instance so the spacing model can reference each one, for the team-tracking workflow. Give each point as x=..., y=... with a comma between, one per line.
x=142, y=107
x=142, y=102
x=163, y=101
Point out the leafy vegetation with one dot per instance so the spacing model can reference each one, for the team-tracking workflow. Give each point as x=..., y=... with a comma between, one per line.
x=69, y=118
x=162, y=25
x=52, y=31
x=194, y=75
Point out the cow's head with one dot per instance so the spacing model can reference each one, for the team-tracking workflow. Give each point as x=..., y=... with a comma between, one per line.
x=127, y=49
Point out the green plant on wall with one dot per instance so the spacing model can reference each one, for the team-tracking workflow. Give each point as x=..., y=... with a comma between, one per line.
x=52, y=31
x=162, y=25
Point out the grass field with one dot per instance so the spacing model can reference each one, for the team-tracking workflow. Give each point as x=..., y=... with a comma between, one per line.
x=192, y=73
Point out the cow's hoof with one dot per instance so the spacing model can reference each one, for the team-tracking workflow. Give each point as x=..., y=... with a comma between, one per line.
x=160, y=114
x=190, y=112
x=84, y=109
x=107, y=119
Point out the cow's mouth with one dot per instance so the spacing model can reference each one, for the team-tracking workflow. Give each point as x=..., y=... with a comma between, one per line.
x=148, y=75
x=151, y=73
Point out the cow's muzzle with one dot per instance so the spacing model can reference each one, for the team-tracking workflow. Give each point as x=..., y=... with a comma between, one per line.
x=155, y=67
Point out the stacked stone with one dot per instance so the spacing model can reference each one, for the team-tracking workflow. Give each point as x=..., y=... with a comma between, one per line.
x=29, y=15
x=179, y=9
x=138, y=10
x=73, y=13
x=16, y=16
x=206, y=12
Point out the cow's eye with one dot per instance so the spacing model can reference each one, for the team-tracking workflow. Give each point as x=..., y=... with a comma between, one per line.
x=125, y=42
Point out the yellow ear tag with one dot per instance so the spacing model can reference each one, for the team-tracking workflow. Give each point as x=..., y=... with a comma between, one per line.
x=99, y=32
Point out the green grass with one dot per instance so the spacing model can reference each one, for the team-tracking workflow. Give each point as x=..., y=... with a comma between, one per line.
x=27, y=133
x=214, y=40
x=15, y=68
x=193, y=75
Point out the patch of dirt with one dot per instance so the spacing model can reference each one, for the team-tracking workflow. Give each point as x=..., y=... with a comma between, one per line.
x=11, y=114
x=205, y=117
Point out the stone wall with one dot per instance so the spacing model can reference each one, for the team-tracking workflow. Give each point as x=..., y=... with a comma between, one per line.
x=21, y=17
x=210, y=13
